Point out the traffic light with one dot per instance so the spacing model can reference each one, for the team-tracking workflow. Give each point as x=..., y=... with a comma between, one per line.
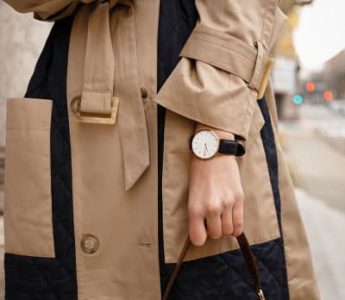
x=328, y=95
x=298, y=99
x=310, y=86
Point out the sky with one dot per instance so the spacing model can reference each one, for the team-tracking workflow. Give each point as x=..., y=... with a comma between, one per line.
x=321, y=32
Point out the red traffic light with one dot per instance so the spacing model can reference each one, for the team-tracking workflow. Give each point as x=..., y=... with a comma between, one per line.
x=310, y=86
x=328, y=95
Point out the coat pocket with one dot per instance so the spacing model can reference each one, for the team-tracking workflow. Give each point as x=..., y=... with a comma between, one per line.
x=27, y=191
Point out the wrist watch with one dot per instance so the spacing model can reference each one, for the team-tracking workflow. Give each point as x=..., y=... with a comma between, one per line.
x=205, y=144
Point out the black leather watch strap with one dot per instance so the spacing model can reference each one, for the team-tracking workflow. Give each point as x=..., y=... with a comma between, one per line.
x=231, y=147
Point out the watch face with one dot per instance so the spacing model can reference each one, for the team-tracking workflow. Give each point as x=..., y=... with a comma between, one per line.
x=205, y=144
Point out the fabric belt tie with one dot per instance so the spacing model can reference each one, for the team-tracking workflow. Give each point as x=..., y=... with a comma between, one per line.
x=111, y=79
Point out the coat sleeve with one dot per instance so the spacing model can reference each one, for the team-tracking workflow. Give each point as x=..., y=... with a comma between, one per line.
x=217, y=79
x=47, y=10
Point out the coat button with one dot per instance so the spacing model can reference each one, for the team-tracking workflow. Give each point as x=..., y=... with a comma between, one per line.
x=89, y=244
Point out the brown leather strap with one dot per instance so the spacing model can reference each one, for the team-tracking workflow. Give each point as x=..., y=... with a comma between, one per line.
x=251, y=264
x=177, y=268
x=247, y=254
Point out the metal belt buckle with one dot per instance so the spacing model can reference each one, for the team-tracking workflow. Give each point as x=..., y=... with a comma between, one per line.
x=266, y=77
x=95, y=117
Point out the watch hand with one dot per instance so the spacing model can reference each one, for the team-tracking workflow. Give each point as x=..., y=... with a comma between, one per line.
x=205, y=150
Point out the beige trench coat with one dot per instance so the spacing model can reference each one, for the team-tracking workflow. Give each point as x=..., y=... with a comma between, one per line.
x=116, y=165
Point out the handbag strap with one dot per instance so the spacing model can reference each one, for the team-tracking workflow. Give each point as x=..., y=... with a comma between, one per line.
x=247, y=254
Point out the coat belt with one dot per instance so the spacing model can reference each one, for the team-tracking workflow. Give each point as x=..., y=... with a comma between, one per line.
x=111, y=90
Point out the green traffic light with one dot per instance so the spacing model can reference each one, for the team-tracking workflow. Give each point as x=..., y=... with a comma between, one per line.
x=298, y=99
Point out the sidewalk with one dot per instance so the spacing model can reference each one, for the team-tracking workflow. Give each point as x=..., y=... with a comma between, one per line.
x=325, y=230
x=314, y=150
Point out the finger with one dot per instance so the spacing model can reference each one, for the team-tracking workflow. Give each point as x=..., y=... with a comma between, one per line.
x=237, y=218
x=197, y=231
x=214, y=227
x=227, y=226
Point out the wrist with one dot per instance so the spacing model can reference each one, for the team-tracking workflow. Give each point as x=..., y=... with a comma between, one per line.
x=208, y=141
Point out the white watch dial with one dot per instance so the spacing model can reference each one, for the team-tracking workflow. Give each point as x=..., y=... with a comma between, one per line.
x=205, y=144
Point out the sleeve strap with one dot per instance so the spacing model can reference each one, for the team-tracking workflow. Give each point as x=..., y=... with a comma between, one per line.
x=227, y=53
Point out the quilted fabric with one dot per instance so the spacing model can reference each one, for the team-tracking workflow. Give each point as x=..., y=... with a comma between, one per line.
x=34, y=278
x=271, y=156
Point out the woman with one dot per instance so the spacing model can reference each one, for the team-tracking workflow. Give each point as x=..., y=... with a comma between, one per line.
x=102, y=156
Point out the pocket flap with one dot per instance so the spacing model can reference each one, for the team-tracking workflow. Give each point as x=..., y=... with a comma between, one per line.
x=33, y=114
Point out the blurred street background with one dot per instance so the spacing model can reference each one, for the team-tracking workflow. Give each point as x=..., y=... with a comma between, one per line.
x=309, y=81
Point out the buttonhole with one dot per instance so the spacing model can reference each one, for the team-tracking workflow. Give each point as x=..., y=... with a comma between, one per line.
x=145, y=244
x=144, y=93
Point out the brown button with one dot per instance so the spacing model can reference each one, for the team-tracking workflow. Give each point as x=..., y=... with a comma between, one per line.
x=89, y=244
x=144, y=93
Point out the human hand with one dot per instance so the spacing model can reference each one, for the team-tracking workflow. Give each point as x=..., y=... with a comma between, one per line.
x=215, y=201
